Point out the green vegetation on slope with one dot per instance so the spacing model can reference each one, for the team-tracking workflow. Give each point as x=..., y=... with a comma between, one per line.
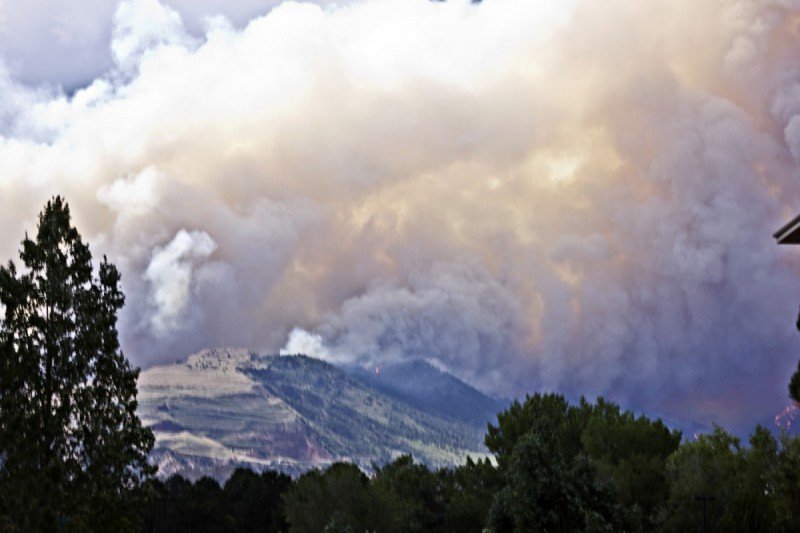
x=224, y=408
x=354, y=420
x=561, y=467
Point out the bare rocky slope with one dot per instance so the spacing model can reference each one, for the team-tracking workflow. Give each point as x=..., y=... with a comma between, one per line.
x=226, y=408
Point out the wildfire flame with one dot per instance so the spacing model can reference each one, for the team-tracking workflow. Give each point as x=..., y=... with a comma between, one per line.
x=788, y=416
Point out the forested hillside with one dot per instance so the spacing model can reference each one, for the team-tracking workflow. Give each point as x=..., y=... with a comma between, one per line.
x=560, y=467
x=226, y=408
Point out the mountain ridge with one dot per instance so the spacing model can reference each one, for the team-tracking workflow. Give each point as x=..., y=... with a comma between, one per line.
x=224, y=408
x=423, y=385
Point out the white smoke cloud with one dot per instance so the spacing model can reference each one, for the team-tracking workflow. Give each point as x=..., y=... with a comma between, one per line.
x=142, y=26
x=564, y=195
x=171, y=272
x=301, y=342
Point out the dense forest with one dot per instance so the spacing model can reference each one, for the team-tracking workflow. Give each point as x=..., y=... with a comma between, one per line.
x=559, y=467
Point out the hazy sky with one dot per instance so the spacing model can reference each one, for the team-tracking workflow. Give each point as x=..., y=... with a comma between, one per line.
x=562, y=195
x=67, y=42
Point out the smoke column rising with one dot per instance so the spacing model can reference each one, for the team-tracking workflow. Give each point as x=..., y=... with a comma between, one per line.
x=562, y=195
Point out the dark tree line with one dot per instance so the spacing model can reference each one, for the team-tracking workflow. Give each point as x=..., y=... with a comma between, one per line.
x=559, y=467
x=248, y=502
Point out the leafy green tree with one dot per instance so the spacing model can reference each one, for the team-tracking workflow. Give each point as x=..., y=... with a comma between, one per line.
x=755, y=494
x=794, y=381
x=179, y=506
x=627, y=453
x=787, y=485
x=205, y=511
x=71, y=446
x=468, y=491
x=337, y=500
x=539, y=413
x=751, y=488
x=631, y=454
x=545, y=491
x=411, y=495
x=255, y=501
x=709, y=468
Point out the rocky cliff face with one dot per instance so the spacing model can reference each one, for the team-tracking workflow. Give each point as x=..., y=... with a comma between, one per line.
x=225, y=408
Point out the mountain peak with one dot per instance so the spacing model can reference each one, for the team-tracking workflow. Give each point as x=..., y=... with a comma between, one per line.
x=427, y=387
x=226, y=407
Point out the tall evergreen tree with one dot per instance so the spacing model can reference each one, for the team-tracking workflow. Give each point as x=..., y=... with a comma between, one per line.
x=794, y=381
x=71, y=446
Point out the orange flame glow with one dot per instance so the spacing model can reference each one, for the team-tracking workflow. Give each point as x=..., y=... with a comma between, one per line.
x=788, y=416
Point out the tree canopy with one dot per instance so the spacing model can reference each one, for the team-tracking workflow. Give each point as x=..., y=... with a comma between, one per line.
x=587, y=454
x=71, y=446
x=627, y=473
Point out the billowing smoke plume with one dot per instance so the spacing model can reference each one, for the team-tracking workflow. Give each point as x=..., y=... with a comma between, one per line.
x=569, y=195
